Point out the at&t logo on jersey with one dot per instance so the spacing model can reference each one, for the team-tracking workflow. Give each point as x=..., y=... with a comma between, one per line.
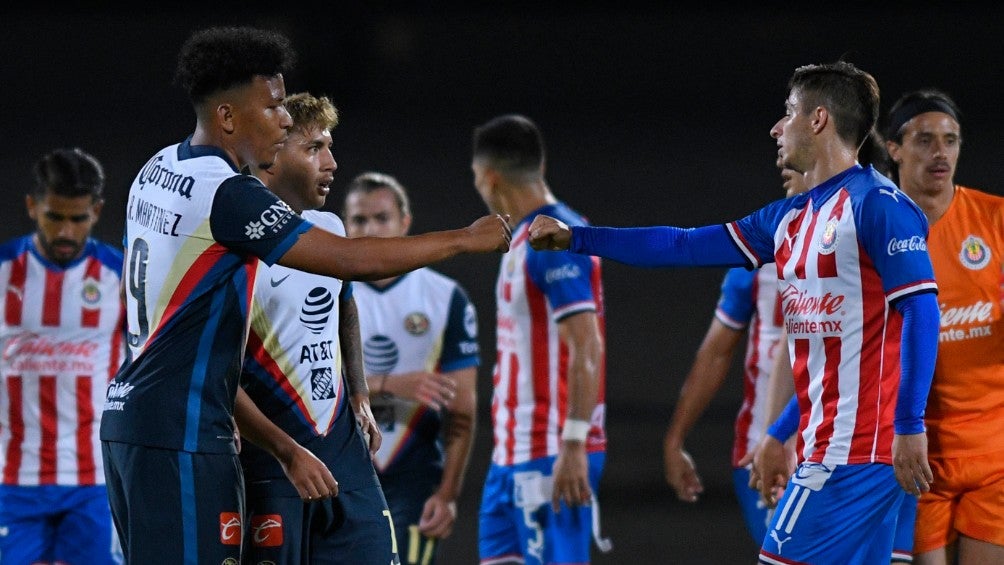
x=828, y=239
x=380, y=355
x=266, y=530
x=914, y=243
x=317, y=306
x=272, y=219
x=974, y=254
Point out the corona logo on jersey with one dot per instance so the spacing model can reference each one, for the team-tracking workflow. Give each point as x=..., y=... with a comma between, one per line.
x=416, y=323
x=156, y=174
x=317, y=306
x=974, y=255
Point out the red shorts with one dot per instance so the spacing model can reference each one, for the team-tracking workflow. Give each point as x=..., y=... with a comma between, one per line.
x=967, y=498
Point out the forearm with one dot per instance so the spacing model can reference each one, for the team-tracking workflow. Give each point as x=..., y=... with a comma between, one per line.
x=702, y=383
x=659, y=246
x=918, y=352
x=351, y=346
x=259, y=430
x=458, y=441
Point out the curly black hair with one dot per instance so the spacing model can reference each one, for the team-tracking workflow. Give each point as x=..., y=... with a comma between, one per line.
x=219, y=58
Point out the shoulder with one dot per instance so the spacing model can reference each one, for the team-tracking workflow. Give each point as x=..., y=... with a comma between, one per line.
x=326, y=220
x=107, y=254
x=14, y=247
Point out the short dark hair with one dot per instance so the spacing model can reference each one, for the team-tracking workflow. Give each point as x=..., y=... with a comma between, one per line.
x=512, y=144
x=370, y=182
x=918, y=102
x=70, y=173
x=219, y=58
x=850, y=95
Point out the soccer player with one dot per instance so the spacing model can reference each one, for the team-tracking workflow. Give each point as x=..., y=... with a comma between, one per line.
x=301, y=324
x=749, y=304
x=961, y=519
x=420, y=343
x=61, y=332
x=548, y=413
x=859, y=303
x=196, y=227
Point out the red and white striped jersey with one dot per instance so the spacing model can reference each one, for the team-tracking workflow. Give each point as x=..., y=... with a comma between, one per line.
x=61, y=335
x=534, y=291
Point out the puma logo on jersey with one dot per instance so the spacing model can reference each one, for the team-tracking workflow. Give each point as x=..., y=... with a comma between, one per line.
x=773, y=534
x=894, y=193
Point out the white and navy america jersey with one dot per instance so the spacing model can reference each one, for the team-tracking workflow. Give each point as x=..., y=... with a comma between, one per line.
x=845, y=251
x=535, y=290
x=423, y=321
x=749, y=301
x=293, y=364
x=61, y=333
x=195, y=228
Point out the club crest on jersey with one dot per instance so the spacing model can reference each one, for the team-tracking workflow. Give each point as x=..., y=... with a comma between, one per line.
x=510, y=266
x=975, y=254
x=416, y=323
x=91, y=293
x=828, y=239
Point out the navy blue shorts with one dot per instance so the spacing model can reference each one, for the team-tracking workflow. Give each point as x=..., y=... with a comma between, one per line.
x=175, y=507
x=406, y=494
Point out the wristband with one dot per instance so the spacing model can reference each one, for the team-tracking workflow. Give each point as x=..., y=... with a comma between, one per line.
x=575, y=430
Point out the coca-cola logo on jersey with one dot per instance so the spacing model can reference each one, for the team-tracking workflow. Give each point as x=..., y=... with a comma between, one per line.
x=33, y=345
x=800, y=303
x=915, y=243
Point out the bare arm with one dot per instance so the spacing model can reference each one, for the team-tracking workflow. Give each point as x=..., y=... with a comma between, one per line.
x=440, y=511
x=355, y=377
x=581, y=335
x=709, y=369
x=368, y=258
x=310, y=476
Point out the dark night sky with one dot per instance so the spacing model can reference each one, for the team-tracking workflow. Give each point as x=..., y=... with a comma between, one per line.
x=652, y=115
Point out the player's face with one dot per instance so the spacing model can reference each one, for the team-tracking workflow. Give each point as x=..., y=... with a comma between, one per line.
x=793, y=182
x=374, y=214
x=792, y=134
x=260, y=122
x=929, y=152
x=62, y=225
x=303, y=169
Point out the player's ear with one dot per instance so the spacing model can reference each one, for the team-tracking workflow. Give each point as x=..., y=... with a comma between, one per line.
x=30, y=204
x=820, y=117
x=406, y=224
x=224, y=116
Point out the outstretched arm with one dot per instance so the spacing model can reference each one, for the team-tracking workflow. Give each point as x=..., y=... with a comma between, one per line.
x=657, y=246
x=369, y=258
x=710, y=367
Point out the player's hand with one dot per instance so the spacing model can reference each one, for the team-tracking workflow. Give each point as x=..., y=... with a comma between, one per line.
x=367, y=422
x=681, y=473
x=909, y=459
x=490, y=233
x=309, y=475
x=438, y=517
x=435, y=390
x=571, y=476
x=772, y=465
x=549, y=234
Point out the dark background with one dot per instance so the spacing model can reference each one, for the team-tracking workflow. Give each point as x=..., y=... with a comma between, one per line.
x=652, y=115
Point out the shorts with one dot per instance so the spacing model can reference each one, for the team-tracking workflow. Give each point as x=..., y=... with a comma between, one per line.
x=57, y=524
x=406, y=495
x=840, y=515
x=517, y=524
x=755, y=511
x=173, y=507
x=967, y=498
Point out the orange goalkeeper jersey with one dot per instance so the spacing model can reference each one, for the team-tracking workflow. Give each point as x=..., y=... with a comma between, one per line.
x=965, y=409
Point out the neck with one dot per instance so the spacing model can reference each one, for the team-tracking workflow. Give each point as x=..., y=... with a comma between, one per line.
x=830, y=162
x=520, y=200
x=934, y=202
x=202, y=136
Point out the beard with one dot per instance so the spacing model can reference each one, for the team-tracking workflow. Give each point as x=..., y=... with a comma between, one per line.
x=60, y=251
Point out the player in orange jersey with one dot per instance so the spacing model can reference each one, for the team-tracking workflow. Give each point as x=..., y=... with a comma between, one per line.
x=963, y=514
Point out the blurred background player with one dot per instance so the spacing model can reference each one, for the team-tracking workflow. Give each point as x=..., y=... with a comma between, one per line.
x=961, y=519
x=61, y=332
x=420, y=343
x=304, y=337
x=539, y=503
x=749, y=304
